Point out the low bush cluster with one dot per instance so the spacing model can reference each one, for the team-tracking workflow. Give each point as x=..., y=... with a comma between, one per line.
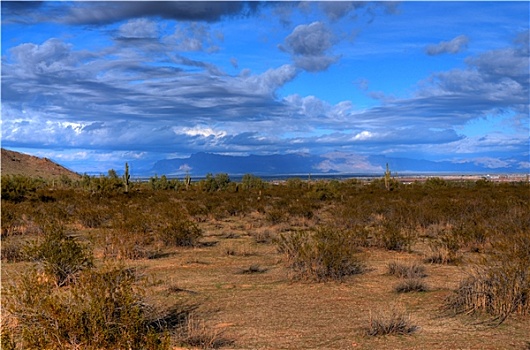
x=323, y=226
x=500, y=285
x=102, y=310
x=323, y=254
x=392, y=322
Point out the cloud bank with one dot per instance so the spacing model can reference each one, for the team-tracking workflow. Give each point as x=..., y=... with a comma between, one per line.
x=154, y=88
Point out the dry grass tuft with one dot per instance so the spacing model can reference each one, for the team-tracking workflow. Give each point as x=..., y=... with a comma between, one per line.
x=500, y=286
x=411, y=285
x=253, y=269
x=406, y=271
x=393, y=322
x=196, y=333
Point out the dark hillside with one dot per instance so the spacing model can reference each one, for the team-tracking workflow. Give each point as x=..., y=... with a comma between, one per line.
x=15, y=163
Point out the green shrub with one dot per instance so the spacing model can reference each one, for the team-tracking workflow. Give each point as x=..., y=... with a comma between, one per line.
x=320, y=255
x=251, y=182
x=180, y=232
x=17, y=188
x=104, y=310
x=11, y=219
x=62, y=257
x=91, y=215
x=12, y=250
x=393, y=236
x=275, y=215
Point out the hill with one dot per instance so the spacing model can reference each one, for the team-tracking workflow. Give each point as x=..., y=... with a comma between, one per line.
x=15, y=163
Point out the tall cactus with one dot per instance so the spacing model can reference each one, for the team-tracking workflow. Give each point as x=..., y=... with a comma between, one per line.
x=126, y=178
x=387, y=178
x=187, y=181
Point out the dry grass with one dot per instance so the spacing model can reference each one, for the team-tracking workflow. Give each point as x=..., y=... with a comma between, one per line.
x=406, y=271
x=237, y=307
x=411, y=285
x=393, y=322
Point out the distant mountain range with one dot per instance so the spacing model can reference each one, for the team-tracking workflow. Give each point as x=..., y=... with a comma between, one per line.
x=337, y=163
x=200, y=164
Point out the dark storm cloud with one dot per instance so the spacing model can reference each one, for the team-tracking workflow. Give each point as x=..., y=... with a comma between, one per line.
x=20, y=11
x=308, y=44
x=453, y=46
x=107, y=12
x=335, y=10
x=98, y=13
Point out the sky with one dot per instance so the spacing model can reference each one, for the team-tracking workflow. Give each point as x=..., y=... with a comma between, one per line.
x=93, y=85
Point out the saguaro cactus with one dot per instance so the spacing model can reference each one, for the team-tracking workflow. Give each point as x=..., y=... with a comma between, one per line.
x=187, y=181
x=387, y=178
x=126, y=178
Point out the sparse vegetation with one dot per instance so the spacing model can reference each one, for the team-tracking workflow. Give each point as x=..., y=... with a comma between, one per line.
x=500, y=284
x=103, y=310
x=323, y=254
x=245, y=247
x=411, y=285
x=62, y=257
x=406, y=271
x=392, y=322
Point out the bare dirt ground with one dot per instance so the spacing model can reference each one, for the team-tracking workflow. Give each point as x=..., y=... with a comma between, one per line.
x=267, y=310
x=243, y=292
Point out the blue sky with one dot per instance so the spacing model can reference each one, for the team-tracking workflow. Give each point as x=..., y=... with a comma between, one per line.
x=93, y=85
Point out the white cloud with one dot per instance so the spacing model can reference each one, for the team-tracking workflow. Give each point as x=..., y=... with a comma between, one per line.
x=200, y=131
x=138, y=28
x=363, y=136
x=453, y=46
x=347, y=163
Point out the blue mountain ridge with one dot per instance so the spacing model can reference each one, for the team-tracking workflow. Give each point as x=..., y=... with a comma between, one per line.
x=200, y=164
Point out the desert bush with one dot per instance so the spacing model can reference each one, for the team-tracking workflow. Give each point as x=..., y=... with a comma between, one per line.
x=132, y=233
x=197, y=210
x=11, y=219
x=406, y=271
x=302, y=208
x=323, y=254
x=194, y=332
x=180, y=232
x=92, y=215
x=444, y=249
x=408, y=285
x=262, y=235
x=17, y=188
x=123, y=244
x=393, y=236
x=61, y=255
x=276, y=215
x=435, y=183
x=163, y=183
x=500, y=284
x=393, y=322
x=252, y=269
x=104, y=310
x=251, y=182
x=12, y=250
x=215, y=183
x=324, y=190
